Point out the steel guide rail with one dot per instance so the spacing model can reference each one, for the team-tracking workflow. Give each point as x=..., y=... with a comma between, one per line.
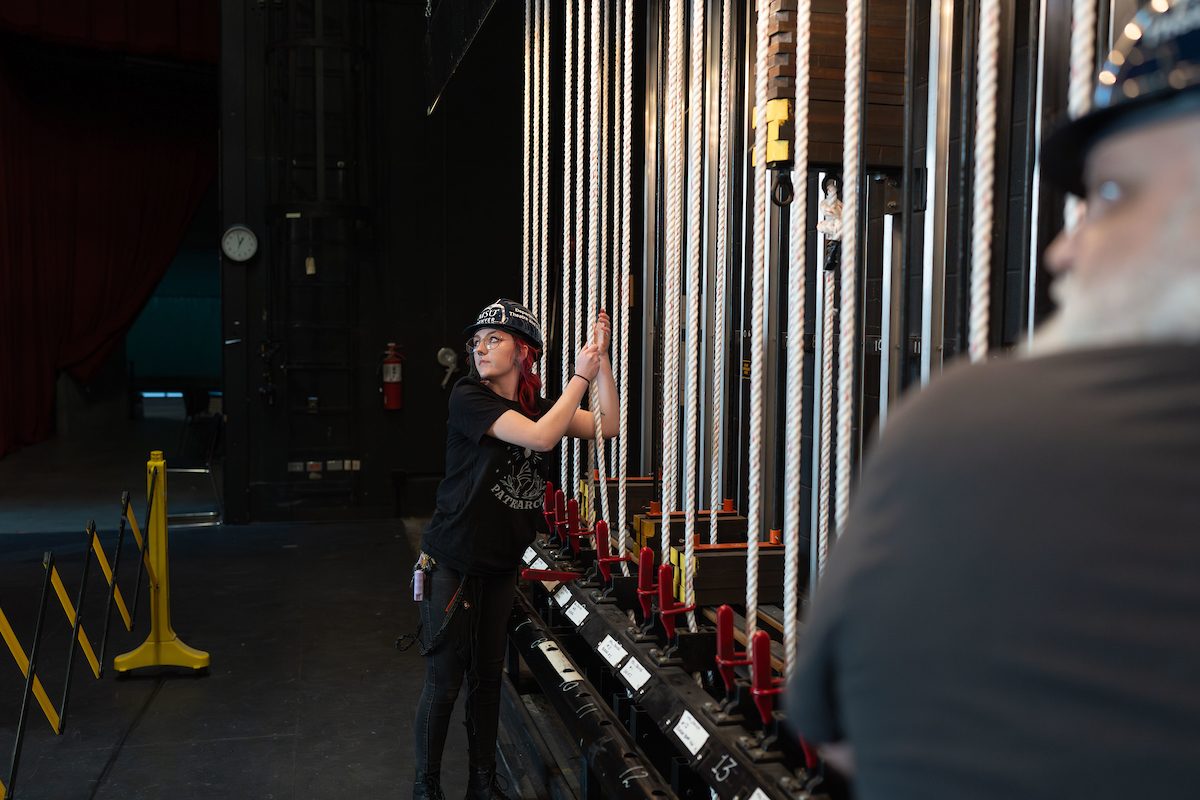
x=727, y=756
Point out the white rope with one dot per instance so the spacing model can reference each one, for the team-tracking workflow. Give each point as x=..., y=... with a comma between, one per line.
x=527, y=156
x=695, y=212
x=758, y=268
x=982, y=208
x=623, y=303
x=543, y=311
x=716, y=494
x=829, y=289
x=797, y=276
x=538, y=162
x=675, y=155
x=569, y=188
x=1079, y=85
x=576, y=333
x=604, y=178
x=595, y=255
x=848, y=323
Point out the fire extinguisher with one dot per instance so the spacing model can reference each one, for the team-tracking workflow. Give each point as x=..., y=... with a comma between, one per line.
x=392, y=388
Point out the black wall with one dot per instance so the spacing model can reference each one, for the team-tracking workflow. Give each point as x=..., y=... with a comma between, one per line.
x=437, y=236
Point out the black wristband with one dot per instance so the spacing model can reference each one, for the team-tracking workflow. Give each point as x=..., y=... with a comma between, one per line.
x=577, y=375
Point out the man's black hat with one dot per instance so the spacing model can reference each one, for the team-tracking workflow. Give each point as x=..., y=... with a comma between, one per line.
x=1152, y=73
x=509, y=315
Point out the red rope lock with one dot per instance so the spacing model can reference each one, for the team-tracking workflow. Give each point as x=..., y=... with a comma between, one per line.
x=548, y=506
x=560, y=517
x=667, y=604
x=763, y=685
x=575, y=531
x=605, y=561
x=727, y=657
x=646, y=589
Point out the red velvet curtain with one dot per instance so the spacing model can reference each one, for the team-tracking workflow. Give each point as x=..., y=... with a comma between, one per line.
x=99, y=178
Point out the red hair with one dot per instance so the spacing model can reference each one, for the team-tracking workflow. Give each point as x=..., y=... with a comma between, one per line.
x=528, y=382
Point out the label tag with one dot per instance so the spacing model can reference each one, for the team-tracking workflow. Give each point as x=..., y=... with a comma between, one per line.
x=539, y=564
x=759, y=794
x=691, y=733
x=611, y=650
x=563, y=595
x=635, y=674
x=577, y=614
x=529, y=555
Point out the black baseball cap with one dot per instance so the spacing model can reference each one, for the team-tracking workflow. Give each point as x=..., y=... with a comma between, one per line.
x=511, y=316
x=1152, y=73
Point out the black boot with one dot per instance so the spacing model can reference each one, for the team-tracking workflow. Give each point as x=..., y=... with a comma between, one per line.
x=483, y=784
x=427, y=787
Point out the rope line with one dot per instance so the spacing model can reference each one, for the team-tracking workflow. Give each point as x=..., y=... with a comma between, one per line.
x=568, y=189
x=847, y=335
x=623, y=306
x=538, y=162
x=527, y=157
x=719, y=290
x=982, y=209
x=695, y=213
x=577, y=320
x=674, y=152
x=758, y=267
x=797, y=277
x=601, y=301
x=595, y=251
x=1079, y=84
x=829, y=290
x=544, y=214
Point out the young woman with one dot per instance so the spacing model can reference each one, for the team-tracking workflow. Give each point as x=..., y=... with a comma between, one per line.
x=498, y=443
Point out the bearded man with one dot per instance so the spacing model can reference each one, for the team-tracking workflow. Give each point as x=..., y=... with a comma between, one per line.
x=1014, y=608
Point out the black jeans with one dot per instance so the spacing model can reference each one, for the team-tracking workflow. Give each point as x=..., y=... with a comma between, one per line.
x=472, y=645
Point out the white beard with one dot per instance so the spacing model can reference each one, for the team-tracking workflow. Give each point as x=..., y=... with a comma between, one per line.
x=1139, y=307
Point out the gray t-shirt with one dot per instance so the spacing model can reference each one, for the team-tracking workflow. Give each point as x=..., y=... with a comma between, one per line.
x=1014, y=609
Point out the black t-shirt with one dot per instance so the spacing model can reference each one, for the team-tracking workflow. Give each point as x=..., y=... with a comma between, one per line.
x=1014, y=610
x=489, y=505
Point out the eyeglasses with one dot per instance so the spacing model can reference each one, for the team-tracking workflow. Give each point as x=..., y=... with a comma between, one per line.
x=490, y=343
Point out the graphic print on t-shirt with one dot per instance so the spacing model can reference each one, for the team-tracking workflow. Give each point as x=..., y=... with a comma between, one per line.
x=519, y=483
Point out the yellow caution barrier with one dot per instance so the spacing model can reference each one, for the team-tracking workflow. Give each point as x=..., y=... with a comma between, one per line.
x=39, y=691
x=163, y=646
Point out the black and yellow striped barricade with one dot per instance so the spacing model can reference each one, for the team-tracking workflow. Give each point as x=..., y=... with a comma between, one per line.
x=163, y=646
x=33, y=685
